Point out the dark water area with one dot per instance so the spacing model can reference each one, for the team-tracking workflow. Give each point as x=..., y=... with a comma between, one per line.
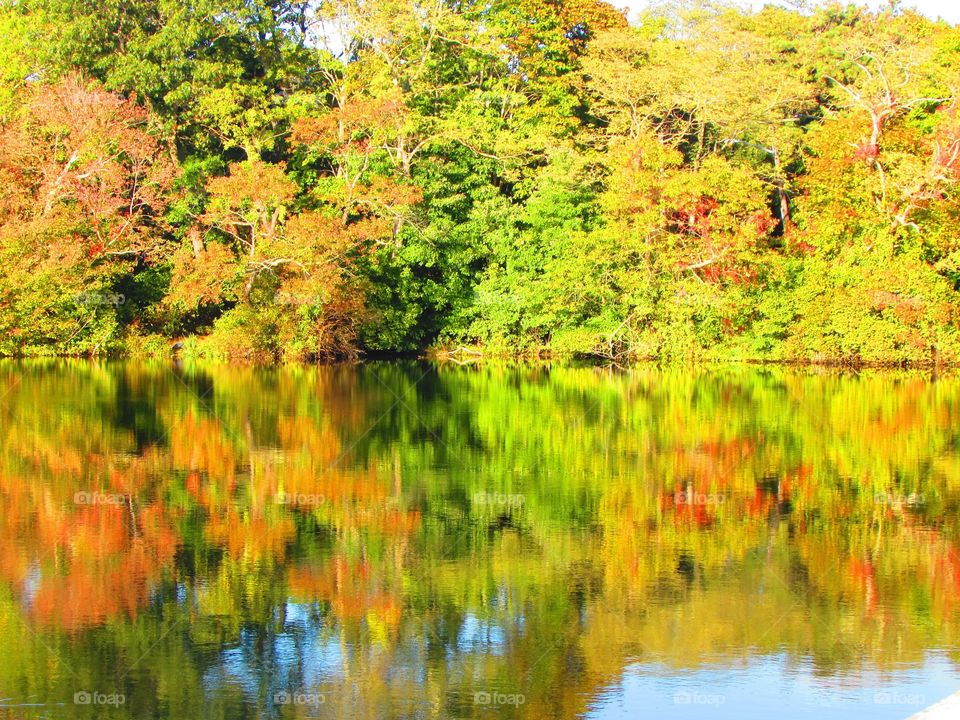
x=413, y=540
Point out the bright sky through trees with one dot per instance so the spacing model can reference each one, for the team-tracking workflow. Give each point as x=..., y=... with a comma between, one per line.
x=948, y=10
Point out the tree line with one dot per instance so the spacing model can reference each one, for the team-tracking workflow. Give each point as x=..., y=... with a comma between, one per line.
x=310, y=180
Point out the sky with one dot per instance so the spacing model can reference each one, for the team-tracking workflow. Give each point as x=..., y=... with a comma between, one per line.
x=947, y=9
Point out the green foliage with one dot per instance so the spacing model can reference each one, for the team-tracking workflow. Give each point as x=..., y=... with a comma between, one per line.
x=520, y=176
x=480, y=508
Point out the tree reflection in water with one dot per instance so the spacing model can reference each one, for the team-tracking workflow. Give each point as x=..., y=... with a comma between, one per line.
x=409, y=540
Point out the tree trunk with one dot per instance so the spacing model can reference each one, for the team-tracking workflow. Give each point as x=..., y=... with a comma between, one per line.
x=782, y=192
x=195, y=241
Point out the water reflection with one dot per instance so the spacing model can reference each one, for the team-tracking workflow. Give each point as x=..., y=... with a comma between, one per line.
x=408, y=540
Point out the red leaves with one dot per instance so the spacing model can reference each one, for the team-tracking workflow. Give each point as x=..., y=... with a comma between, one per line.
x=945, y=155
x=803, y=247
x=866, y=151
x=712, y=252
x=352, y=125
x=80, y=153
x=907, y=310
x=763, y=222
x=693, y=219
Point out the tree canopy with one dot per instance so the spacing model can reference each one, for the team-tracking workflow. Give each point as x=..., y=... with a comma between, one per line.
x=262, y=178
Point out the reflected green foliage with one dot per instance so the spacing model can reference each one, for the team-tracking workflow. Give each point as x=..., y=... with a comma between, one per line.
x=397, y=537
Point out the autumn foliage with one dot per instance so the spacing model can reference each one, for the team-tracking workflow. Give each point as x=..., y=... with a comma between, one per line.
x=307, y=183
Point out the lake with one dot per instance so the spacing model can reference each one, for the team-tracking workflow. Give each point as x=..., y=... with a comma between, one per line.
x=414, y=540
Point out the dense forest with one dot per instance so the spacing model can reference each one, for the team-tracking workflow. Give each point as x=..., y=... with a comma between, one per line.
x=307, y=180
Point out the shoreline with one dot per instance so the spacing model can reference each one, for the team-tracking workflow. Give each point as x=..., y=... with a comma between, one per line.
x=473, y=356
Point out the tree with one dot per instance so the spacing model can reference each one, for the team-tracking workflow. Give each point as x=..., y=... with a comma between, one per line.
x=84, y=197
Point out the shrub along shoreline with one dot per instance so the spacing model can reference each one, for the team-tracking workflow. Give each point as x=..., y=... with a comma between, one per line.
x=193, y=349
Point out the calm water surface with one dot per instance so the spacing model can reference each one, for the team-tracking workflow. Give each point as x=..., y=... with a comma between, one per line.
x=404, y=540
